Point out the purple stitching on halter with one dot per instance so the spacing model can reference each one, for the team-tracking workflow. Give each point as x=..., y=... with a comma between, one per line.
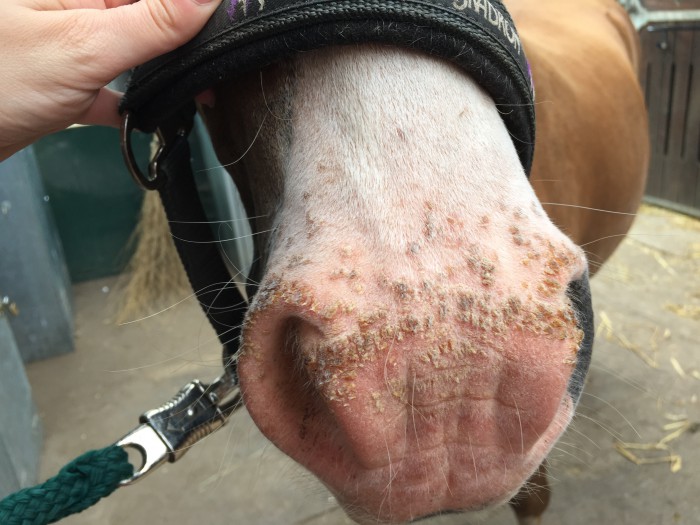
x=532, y=81
x=231, y=9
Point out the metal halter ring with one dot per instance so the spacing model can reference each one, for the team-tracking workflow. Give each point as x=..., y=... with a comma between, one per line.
x=166, y=137
x=147, y=182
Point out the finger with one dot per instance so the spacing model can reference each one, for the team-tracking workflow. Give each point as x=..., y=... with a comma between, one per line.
x=104, y=111
x=140, y=31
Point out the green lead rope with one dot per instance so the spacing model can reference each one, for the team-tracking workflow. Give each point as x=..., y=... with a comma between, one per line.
x=79, y=485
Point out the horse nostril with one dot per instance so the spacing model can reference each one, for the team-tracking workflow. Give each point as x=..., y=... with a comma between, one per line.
x=579, y=292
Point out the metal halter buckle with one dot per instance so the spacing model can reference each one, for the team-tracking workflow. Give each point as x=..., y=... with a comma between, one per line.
x=166, y=433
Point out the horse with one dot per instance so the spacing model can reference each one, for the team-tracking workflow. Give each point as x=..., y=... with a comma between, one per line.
x=412, y=337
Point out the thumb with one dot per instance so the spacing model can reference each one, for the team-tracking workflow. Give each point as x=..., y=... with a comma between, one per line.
x=143, y=30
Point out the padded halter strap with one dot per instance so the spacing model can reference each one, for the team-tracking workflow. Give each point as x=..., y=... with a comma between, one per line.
x=243, y=35
x=194, y=240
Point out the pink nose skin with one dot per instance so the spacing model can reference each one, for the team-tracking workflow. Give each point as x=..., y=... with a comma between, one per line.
x=413, y=392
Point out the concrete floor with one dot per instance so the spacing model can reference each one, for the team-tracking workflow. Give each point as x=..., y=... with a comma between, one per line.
x=645, y=375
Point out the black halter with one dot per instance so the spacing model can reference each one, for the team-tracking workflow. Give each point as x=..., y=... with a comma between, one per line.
x=477, y=35
x=243, y=35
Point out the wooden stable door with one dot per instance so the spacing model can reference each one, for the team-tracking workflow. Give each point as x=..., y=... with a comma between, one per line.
x=670, y=76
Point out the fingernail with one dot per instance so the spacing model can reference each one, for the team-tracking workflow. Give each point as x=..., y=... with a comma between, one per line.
x=205, y=2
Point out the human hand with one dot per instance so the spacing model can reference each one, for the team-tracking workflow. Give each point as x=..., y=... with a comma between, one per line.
x=58, y=55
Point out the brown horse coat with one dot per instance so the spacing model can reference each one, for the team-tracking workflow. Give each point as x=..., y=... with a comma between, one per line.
x=592, y=145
